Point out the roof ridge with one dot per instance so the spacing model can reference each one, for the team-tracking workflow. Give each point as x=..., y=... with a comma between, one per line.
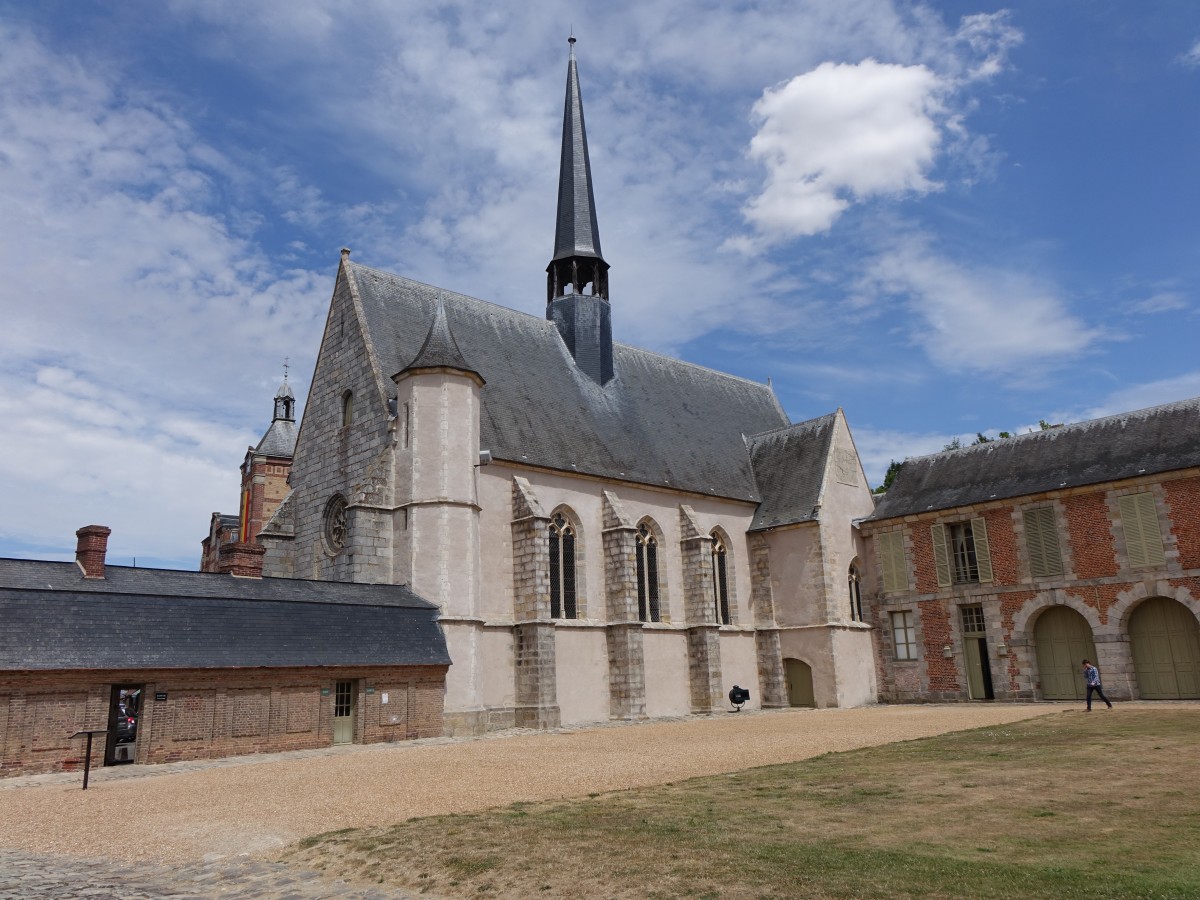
x=520, y=312
x=1069, y=426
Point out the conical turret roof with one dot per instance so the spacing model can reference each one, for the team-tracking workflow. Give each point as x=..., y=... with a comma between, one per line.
x=440, y=350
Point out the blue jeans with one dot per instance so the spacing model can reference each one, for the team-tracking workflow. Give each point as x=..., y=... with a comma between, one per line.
x=1099, y=692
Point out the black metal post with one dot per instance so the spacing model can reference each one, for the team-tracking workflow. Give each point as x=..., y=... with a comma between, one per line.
x=87, y=761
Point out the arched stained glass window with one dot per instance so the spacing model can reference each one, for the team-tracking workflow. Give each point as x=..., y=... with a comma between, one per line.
x=856, y=612
x=720, y=570
x=562, y=568
x=647, y=575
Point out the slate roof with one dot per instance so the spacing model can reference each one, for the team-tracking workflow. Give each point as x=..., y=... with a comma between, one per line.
x=576, y=232
x=280, y=439
x=789, y=466
x=1144, y=442
x=440, y=350
x=54, y=618
x=660, y=421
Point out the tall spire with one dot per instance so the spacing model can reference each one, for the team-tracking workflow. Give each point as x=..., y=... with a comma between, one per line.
x=583, y=318
x=577, y=259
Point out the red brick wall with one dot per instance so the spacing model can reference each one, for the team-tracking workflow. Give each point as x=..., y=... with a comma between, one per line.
x=922, y=556
x=1002, y=542
x=935, y=634
x=1183, y=500
x=210, y=713
x=1089, y=526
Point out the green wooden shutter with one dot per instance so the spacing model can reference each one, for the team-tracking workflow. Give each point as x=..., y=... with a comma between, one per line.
x=891, y=557
x=983, y=553
x=1143, y=538
x=1041, y=539
x=941, y=554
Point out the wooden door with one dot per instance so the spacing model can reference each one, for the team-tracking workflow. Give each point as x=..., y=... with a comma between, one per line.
x=1063, y=640
x=1165, y=641
x=799, y=683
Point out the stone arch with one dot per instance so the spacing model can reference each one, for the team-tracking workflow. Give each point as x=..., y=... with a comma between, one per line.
x=1128, y=601
x=651, y=575
x=563, y=516
x=723, y=546
x=1026, y=618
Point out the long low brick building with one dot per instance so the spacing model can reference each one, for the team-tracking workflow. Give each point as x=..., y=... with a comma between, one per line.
x=187, y=665
x=995, y=569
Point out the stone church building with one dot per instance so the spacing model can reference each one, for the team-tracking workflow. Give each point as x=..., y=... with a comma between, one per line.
x=614, y=534
x=609, y=533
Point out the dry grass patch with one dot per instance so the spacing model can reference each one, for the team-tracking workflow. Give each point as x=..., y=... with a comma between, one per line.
x=1071, y=805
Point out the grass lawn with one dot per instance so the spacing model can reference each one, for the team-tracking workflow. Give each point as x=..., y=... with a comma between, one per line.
x=1099, y=805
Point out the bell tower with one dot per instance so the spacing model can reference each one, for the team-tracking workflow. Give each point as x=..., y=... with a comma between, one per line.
x=577, y=277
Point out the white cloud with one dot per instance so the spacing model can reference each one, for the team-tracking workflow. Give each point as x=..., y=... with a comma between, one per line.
x=139, y=326
x=846, y=133
x=1141, y=396
x=1164, y=301
x=1192, y=57
x=841, y=133
x=978, y=319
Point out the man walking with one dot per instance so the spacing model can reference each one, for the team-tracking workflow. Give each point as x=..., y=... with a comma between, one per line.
x=1092, y=676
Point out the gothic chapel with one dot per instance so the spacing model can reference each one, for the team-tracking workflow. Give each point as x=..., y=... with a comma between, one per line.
x=609, y=533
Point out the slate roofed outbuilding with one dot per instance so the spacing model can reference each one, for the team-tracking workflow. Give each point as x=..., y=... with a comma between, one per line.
x=789, y=466
x=54, y=618
x=1145, y=442
x=659, y=421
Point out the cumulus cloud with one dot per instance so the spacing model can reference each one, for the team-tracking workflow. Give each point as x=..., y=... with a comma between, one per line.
x=846, y=133
x=975, y=318
x=142, y=322
x=842, y=132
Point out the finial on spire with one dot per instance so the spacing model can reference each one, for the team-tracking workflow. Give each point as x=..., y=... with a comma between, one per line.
x=285, y=367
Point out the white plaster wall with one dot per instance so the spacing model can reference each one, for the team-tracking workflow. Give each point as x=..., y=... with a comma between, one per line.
x=667, y=690
x=854, y=661
x=582, y=674
x=813, y=645
x=739, y=664
x=465, y=676
x=797, y=575
x=496, y=664
x=584, y=497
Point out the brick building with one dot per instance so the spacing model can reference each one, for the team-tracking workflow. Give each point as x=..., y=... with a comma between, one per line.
x=264, y=483
x=205, y=664
x=994, y=569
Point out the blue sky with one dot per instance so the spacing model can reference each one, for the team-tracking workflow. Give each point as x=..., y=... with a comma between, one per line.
x=944, y=217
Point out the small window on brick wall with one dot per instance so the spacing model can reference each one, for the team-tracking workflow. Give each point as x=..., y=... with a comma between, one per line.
x=890, y=546
x=904, y=635
x=961, y=553
x=1041, y=539
x=1143, y=537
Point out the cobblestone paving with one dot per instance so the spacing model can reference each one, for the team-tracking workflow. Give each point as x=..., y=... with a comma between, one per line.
x=27, y=876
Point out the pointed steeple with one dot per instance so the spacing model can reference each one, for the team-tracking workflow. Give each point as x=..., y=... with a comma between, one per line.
x=583, y=318
x=577, y=259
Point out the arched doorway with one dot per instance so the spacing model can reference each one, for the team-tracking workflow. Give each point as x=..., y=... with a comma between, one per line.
x=799, y=683
x=1165, y=642
x=1063, y=640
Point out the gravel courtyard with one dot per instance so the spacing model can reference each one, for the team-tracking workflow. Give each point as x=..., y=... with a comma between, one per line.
x=187, y=812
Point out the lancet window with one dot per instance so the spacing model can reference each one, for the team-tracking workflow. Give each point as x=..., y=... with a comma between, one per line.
x=562, y=568
x=647, y=575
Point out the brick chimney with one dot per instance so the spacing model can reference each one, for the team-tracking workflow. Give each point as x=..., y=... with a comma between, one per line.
x=91, y=549
x=241, y=560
